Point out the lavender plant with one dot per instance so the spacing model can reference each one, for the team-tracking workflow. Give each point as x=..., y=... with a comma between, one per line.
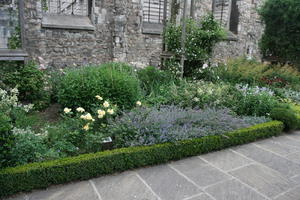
x=147, y=126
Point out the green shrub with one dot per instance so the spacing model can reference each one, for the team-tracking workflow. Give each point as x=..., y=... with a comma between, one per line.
x=152, y=79
x=41, y=175
x=79, y=87
x=281, y=38
x=6, y=139
x=29, y=80
x=251, y=72
x=201, y=36
x=287, y=116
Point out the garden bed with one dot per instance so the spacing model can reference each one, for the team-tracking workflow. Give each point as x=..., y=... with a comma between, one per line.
x=41, y=175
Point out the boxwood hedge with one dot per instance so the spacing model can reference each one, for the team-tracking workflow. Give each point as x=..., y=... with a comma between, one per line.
x=41, y=175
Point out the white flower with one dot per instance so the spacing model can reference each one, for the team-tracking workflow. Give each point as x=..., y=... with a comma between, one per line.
x=67, y=110
x=106, y=104
x=138, y=103
x=81, y=110
x=196, y=99
x=101, y=114
x=99, y=97
x=205, y=65
x=111, y=111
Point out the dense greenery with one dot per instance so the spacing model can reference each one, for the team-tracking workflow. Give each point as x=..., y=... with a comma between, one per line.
x=200, y=39
x=30, y=81
x=281, y=38
x=113, y=81
x=41, y=175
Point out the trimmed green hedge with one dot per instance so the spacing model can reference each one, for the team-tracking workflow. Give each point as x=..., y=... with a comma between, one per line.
x=41, y=175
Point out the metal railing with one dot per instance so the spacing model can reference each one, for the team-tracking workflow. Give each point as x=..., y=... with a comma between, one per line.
x=153, y=11
x=221, y=11
x=66, y=7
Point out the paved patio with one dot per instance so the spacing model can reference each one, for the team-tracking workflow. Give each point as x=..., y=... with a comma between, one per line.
x=264, y=170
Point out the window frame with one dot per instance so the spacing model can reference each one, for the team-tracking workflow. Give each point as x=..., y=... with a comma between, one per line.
x=153, y=27
x=72, y=22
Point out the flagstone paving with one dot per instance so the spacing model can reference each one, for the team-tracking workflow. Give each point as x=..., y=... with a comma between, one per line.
x=263, y=170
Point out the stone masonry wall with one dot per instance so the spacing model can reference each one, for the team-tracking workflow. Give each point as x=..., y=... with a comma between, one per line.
x=118, y=36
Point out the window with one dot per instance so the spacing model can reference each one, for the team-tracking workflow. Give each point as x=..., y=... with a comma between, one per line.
x=153, y=15
x=66, y=7
x=67, y=14
x=9, y=22
x=227, y=13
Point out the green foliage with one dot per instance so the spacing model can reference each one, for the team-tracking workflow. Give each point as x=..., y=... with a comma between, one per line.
x=14, y=41
x=254, y=73
x=281, y=38
x=41, y=175
x=287, y=116
x=29, y=80
x=5, y=139
x=27, y=147
x=152, y=79
x=113, y=81
x=200, y=40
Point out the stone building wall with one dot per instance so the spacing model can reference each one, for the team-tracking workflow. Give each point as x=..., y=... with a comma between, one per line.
x=118, y=35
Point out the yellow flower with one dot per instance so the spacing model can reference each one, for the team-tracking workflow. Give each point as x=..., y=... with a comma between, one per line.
x=111, y=111
x=67, y=110
x=138, y=103
x=87, y=117
x=99, y=97
x=86, y=127
x=81, y=110
x=106, y=104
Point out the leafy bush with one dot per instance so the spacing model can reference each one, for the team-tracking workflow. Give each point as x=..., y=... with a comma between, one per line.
x=27, y=147
x=254, y=73
x=29, y=80
x=152, y=79
x=113, y=81
x=242, y=99
x=5, y=139
x=254, y=101
x=200, y=40
x=281, y=38
x=41, y=175
x=287, y=116
x=147, y=126
x=9, y=107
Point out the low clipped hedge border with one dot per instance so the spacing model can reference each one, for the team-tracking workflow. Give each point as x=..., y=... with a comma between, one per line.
x=41, y=175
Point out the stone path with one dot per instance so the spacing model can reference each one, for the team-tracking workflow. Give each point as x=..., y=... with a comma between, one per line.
x=264, y=170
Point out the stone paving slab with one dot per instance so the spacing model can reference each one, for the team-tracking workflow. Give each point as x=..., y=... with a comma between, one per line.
x=226, y=160
x=200, y=197
x=267, y=158
x=199, y=172
x=264, y=170
x=293, y=194
x=167, y=183
x=233, y=190
x=125, y=186
x=277, y=147
x=265, y=180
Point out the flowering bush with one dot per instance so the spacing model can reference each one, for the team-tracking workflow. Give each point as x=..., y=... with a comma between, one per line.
x=146, y=126
x=10, y=111
x=201, y=36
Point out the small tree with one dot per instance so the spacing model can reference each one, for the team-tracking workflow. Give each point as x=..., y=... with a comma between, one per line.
x=281, y=39
x=201, y=36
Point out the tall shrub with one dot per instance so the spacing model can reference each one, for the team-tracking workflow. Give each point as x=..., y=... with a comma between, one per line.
x=115, y=82
x=281, y=38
